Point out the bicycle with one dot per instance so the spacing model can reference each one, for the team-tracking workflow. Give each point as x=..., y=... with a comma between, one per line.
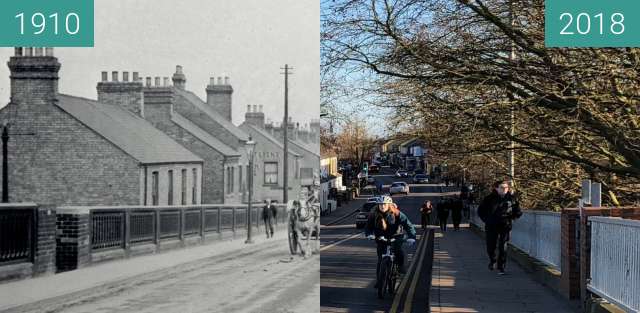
x=388, y=274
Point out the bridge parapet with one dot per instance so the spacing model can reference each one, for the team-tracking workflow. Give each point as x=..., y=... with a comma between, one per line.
x=27, y=240
x=615, y=261
x=88, y=235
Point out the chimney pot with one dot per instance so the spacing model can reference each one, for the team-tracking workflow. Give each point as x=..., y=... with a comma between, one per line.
x=28, y=52
x=136, y=77
x=38, y=52
x=148, y=81
x=178, y=69
x=255, y=108
x=219, y=80
x=261, y=108
x=248, y=108
x=166, y=81
x=157, y=81
x=212, y=81
x=114, y=76
x=125, y=76
x=226, y=80
x=18, y=51
x=48, y=52
x=105, y=76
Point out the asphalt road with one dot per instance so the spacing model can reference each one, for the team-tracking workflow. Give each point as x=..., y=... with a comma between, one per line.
x=348, y=260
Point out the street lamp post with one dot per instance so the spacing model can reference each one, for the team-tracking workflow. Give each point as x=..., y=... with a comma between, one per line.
x=251, y=145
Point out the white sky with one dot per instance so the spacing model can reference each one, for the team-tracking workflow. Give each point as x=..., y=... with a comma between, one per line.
x=248, y=40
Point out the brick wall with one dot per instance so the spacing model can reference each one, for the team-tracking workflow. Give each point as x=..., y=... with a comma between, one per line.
x=45, y=251
x=63, y=162
x=72, y=240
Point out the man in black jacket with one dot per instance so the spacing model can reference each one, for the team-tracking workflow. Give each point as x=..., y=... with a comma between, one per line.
x=497, y=211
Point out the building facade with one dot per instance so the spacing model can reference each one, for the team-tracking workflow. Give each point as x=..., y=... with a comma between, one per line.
x=66, y=150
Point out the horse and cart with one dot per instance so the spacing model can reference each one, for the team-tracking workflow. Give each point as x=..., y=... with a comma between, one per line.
x=303, y=224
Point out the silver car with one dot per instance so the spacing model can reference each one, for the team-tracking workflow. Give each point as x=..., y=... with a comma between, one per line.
x=399, y=187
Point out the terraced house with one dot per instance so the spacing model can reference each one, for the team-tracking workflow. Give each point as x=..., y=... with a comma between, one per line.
x=67, y=150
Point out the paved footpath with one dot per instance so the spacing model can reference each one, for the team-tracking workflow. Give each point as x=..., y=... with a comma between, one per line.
x=462, y=283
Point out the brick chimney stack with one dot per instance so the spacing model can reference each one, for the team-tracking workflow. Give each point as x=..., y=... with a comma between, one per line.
x=34, y=75
x=125, y=93
x=179, y=79
x=219, y=96
x=255, y=117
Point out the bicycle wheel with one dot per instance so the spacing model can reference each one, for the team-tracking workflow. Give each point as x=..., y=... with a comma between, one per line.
x=385, y=268
x=393, y=278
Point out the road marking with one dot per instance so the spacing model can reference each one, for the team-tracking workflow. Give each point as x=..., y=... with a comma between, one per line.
x=339, y=242
x=396, y=300
x=408, y=302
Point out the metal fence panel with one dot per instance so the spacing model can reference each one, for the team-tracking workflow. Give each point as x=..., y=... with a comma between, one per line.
x=142, y=228
x=539, y=235
x=169, y=224
x=16, y=235
x=615, y=261
x=107, y=230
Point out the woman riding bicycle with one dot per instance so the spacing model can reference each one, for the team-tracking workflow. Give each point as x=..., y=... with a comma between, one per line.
x=386, y=222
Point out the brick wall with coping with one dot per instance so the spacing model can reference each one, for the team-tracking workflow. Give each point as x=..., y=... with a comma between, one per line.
x=72, y=239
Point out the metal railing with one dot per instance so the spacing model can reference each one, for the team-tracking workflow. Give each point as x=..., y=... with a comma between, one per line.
x=615, y=261
x=121, y=227
x=474, y=218
x=17, y=233
x=538, y=234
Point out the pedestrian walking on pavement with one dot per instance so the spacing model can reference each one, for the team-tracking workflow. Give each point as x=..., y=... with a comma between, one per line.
x=456, y=212
x=425, y=213
x=443, y=213
x=267, y=217
x=497, y=211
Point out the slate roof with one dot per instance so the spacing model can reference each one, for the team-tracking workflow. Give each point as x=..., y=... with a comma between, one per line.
x=252, y=129
x=201, y=105
x=129, y=132
x=203, y=135
x=307, y=147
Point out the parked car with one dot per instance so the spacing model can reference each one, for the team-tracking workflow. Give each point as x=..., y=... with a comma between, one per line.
x=402, y=173
x=420, y=179
x=363, y=214
x=374, y=168
x=399, y=187
x=418, y=172
x=371, y=180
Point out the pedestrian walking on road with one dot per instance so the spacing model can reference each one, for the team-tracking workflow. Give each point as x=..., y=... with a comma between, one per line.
x=456, y=213
x=443, y=213
x=497, y=211
x=267, y=217
x=425, y=213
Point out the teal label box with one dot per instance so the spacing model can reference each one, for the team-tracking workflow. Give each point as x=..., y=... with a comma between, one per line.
x=592, y=23
x=47, y=23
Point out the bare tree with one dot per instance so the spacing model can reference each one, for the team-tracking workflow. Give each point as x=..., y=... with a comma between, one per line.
x=445, y=68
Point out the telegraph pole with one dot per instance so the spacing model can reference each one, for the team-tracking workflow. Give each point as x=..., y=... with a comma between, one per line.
x=285, y=124
x=512, y=120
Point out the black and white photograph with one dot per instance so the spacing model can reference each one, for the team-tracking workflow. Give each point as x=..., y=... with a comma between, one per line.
x=172, y=167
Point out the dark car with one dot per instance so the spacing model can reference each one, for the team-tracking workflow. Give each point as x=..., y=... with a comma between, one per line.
x=420, y=179
x=363, y=214
x=418, y=172
x=374, y=168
